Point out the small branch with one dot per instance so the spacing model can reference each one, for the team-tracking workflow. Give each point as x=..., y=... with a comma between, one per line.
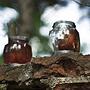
x=82, y=4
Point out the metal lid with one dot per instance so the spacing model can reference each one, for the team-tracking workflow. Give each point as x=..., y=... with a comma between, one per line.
x=69, y=23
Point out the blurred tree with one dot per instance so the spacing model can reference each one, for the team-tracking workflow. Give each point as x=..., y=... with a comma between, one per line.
x=30, y=9
x=25, y=9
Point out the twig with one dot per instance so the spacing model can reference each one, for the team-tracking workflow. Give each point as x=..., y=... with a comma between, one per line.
x=82, y=4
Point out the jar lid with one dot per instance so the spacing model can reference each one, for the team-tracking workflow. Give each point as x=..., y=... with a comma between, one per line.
x=69, y=23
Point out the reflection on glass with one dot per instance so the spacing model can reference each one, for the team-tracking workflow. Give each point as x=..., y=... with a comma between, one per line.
x=64, y=36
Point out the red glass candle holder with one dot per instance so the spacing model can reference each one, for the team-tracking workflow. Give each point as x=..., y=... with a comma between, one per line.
x=17, y=50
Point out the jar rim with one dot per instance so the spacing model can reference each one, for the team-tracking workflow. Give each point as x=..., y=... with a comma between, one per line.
x=19, y=37
x=71, y=23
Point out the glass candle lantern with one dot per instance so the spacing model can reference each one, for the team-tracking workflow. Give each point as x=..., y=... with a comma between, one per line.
x=18, y=49
x=64, y=36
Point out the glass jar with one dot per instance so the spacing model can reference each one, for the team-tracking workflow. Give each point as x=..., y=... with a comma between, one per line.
x=64, y=36
x=17, y=50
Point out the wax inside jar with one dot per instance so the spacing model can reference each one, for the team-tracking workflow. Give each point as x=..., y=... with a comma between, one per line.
x=17, y=51
x=69, y=42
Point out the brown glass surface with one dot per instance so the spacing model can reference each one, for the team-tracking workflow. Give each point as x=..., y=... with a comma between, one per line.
x=70, y=41
x=17, y=51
